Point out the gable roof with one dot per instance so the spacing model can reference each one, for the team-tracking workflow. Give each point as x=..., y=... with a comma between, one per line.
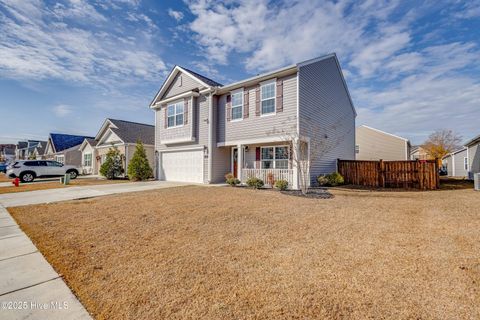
x=454, y=152
x=22, y=144
x=62, y=141
x=130, y=131
x=472, y=141
x=206, y=82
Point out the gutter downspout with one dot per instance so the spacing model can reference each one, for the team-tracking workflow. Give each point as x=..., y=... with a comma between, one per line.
x=210, y=135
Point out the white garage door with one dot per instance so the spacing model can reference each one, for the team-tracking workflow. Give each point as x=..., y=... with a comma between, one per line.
x=184, y=166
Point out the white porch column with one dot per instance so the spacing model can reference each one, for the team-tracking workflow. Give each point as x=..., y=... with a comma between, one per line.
x=296, y=158
x=239, y=161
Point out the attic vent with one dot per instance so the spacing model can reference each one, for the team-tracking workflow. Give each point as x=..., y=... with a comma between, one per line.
x=180, y=80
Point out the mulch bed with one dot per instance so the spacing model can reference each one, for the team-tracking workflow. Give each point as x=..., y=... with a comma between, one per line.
x=312, y=194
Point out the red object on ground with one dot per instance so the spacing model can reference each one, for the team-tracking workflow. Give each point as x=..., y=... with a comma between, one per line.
x=16, y=182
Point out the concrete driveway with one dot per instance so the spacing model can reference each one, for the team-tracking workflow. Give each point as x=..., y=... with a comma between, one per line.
x=54, y=195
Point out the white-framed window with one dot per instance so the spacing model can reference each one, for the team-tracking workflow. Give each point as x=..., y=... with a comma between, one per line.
x=274, y=157
x=87, y=160
x=60, y=158
x=175, y=115
x=465, y=163
x=267, y=97
x=237, y=105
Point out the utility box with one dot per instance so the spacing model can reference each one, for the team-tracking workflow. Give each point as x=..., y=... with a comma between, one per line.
x=65, y=179
x=476, y=180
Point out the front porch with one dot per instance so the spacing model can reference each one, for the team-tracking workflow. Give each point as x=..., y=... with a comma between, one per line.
x=267, y=161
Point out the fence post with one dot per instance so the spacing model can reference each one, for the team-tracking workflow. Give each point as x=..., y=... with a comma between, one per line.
x=381, y=173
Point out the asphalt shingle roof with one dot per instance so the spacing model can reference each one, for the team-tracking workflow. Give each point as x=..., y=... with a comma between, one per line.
x=130, y=132
x=92, y=142
x=208, y=81
x=65, y=141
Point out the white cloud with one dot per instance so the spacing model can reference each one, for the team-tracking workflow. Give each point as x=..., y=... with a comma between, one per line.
x=78, y=9
x=62, y=110
x=399, y=82
x=177, y=15
x=53, y=45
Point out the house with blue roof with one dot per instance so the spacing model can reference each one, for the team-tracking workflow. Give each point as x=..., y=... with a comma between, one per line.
x=64, y=148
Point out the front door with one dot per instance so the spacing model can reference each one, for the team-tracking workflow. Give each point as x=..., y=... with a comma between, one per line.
x=235, y=161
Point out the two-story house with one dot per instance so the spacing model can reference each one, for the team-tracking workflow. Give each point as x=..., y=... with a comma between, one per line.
x=254, y=127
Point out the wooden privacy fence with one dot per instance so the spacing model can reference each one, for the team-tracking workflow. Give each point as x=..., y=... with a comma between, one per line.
x=417, y=174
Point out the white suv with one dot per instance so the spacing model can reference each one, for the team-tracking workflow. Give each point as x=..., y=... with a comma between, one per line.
x=29, y=170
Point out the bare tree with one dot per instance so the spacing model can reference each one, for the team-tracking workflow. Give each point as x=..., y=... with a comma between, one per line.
x=309, y=149
x=441, y=142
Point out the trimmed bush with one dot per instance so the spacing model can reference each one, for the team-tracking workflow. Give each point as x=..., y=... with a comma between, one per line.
x=281, y=185
x=335, y=179
x=113, y=165
x=255, y=183
x=331, y=180
x=233, y=181
x=229, y=176
x=139, y=169
x=322, y=180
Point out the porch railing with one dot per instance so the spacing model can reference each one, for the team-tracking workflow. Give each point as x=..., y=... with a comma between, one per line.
x=269, y=176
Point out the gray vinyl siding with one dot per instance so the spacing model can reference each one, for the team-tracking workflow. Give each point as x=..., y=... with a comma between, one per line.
x=187, y=131
x=375, y=145
x=221, y=156
x=456, y=165
x=325, y=111
x=459, y=164
x=259, y=126
x=199, y=112
x=186, y=84
x=474, y=158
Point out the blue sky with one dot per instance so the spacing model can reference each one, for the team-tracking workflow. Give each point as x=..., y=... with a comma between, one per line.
x=411, y=66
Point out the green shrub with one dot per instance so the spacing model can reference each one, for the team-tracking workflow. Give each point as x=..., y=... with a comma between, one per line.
x=229, y=176
x=139, y=168
x=233, y=181
x=322, y=180
x=331, y=180
x=335, y=179
x=255, y=183
x=281, y=185
x=113, y=165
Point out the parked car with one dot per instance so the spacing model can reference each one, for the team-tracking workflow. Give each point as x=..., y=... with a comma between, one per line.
x=3, y=167
x=29, y=170
x=443, y=171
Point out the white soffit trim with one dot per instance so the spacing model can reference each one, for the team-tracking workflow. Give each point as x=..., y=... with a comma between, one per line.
x=262, y=77
x=177, y=97
x=169, y=80
x=252, y=141
x=106, y=123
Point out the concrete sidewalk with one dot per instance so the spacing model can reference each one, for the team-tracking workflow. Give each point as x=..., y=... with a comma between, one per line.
x=71, y=193
x=29, y=287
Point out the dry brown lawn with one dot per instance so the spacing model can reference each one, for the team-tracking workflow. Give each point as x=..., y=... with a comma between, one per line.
x=230, y=253
x=4, y=178
x=33, y=186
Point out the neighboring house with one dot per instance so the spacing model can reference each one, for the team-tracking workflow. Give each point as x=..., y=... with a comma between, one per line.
x=473, y=155
x=374, y=144
x=419, y=153
x=64, y=148
x=7, y=152
x=456, y=163
x=252, y=127
x=25, y=149
x=122, y=134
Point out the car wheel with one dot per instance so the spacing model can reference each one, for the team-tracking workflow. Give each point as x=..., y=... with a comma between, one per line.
x=27, y=177
x=73, y=174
